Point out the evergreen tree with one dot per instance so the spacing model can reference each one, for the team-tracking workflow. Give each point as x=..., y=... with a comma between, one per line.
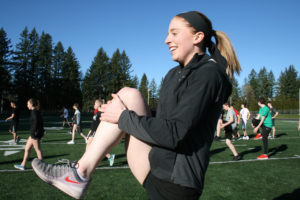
x=115, y=74
x=45, y=68
x=288, y=83
x=96, y=79
x=71, y=79
x=33, y=79
x=5, y=76
x=144, y=87
x=153, y=95
x=125, y=66
x=235, y=95
x=5, y=51
x=254, y=83
x=134, y=82
x=159, y=88
x=56, y=77
x=21, y=68
x=58, y=60
x=272, y=83
x=264, y=84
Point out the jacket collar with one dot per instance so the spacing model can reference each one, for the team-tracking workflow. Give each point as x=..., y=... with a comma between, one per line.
x=195, y=61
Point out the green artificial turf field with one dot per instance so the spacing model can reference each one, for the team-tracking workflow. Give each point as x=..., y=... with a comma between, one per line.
x=276, y=178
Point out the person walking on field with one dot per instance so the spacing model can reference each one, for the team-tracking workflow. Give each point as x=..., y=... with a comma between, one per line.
x=14, y=123
x=265, y=124
x=77, y=124
x=65, y=115
x=36, y=133
x=168, y=154
x=274, y=114
x=245, y=116
x=229, y=125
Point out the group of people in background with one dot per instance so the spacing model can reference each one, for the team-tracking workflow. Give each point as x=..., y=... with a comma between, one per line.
x=76, y=125
x=37, y=128
x=264, y=120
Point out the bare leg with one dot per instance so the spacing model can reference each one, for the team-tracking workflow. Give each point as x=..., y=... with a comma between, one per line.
x=15, y=136
x=37, y=148
x=108, y=135
x=73, y=132
x=84, y=137
x=88, y=143
x=219, y=128
x=231, y=147
x=27, y=149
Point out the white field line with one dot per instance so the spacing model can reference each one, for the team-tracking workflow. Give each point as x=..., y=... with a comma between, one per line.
x=211, y=163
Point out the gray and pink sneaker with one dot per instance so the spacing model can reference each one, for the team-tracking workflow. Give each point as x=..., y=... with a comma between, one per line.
x=64, y=177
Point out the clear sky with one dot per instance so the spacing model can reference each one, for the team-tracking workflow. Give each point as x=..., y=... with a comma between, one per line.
x=263, y=32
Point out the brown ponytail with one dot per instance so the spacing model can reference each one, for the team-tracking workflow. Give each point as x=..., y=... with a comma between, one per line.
x=227, y=51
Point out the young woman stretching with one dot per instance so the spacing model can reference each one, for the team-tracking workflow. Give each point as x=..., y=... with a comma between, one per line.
x=169, y=153
x=265, y=124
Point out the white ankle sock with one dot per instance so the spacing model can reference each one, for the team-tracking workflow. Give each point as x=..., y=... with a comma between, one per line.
x=81, y=177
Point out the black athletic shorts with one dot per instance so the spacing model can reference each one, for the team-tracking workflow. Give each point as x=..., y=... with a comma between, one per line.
x=66, y=120
x=78, y=129
x=92, y=134
x=255, y=122
x=158, y=189
x=37, y=136
x=13, y=126
x=228, y=130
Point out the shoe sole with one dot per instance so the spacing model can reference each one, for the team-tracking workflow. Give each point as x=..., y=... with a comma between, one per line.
x=19, y=168
x=62, y=187
x=262, y=158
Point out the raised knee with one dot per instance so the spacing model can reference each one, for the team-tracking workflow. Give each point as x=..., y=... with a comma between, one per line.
x=129, y=92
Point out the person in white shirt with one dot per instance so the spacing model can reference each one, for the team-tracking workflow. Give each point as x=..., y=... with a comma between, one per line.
x=245, y=116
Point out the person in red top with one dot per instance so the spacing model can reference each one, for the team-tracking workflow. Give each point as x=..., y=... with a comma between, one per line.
x=236, y=130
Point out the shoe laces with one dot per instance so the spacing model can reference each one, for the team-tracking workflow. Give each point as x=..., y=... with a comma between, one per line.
x=60, y=168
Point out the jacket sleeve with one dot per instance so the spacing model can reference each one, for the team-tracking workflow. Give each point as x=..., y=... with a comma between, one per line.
x=192, y=107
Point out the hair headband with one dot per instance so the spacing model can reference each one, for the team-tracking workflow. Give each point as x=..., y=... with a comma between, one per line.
x=199, y=24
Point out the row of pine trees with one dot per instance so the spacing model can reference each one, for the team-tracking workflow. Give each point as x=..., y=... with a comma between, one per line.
x=36, y=67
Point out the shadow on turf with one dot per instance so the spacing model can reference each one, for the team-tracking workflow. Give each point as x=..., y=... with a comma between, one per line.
x=280, y=134
x=30, y=159
x=275, y=150
x=215, y=151
x=254, y=150
x=290, y=196
x=64, y=140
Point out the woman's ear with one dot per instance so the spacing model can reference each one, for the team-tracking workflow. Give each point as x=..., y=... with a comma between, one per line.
x=198, y=37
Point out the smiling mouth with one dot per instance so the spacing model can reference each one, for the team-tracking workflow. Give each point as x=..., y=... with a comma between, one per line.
x=172, y=49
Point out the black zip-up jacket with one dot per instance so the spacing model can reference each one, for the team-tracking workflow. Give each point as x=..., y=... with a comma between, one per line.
x=36, y=124
x=181, y=134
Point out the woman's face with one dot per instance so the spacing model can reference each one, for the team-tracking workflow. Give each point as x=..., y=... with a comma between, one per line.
x=29, y=105
x=180, y=40
x=96, y=105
